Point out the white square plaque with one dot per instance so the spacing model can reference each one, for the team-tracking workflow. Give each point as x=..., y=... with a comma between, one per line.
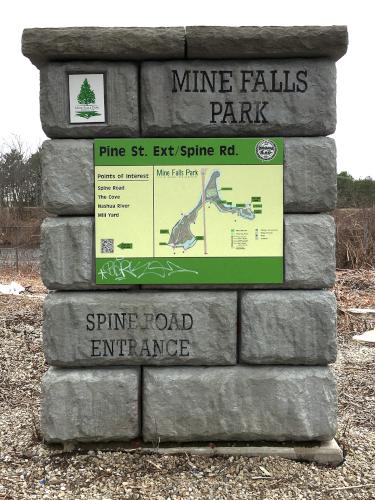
x=86, y=98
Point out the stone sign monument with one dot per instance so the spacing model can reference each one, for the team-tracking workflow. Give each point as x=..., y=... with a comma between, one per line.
x=191, y=254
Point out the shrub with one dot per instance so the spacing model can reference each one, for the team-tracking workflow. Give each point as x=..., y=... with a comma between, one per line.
x=355, y=238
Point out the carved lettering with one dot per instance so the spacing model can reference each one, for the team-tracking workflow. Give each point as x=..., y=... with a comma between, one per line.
x=161, y=321
x=145, y=348
x=251, y=81
x=149, y=347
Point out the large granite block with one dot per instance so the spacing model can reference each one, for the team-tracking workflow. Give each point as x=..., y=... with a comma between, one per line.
x=67, y=261
x=102, y=43
x=67, y=253
x=68, y=177
x=310, y=183
x=247, y=42
x=309, y=175
x=149, y=328
x=288, y=327
x=289, y=97
x=90, y=404
x=120, y=100
x=309, y=251
x=268, y=403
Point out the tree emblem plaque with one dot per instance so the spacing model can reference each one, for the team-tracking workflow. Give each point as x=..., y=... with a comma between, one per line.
x=86, y=98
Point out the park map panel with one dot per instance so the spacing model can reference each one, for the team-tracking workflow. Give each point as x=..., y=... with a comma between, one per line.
x=189, y=211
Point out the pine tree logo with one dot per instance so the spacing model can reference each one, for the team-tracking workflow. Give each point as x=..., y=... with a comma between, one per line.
x=86, y=98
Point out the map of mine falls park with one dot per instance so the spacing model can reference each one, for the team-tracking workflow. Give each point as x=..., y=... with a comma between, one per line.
x=188, y=223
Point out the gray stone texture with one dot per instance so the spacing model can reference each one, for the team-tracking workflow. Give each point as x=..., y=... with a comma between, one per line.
x=189, y=114
x=121, y=100
x=90, y=404
x=309, y=251
x=309, y=175
x=100, y=43
x=193, y=328
x=288, y=327
x=310, y=183
x=67, y=253
x=246, y=42
x=258, y=403
x=67, y=261
x=68, y=177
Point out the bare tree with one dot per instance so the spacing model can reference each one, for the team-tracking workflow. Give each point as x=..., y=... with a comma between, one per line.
x=20, y=176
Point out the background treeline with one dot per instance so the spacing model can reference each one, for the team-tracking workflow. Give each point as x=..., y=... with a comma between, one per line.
x=20, y=176
x=20, y=199
x=355, y=193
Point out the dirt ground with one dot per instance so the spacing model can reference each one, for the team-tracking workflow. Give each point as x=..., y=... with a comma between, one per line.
x=29, y=469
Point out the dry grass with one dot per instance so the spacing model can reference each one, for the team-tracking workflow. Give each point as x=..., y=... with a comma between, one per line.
x=29, y=470
x=355, y=238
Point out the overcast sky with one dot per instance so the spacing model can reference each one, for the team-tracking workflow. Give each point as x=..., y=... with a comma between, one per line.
x=355, y=78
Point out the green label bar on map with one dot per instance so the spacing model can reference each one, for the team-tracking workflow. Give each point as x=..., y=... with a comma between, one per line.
x=184, y=152
x=189, y=270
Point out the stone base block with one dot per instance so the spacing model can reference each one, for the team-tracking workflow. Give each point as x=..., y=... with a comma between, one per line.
x=326, y=453
x=309, y=175
x=268, y=403
x=288, y=327
x=67, y=261
x=150, y=328
x=90, y=404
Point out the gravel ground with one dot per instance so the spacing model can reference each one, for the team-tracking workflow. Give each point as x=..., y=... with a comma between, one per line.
x=29, y=469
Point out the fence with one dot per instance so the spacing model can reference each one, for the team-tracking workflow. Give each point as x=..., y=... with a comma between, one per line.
x=19, y=246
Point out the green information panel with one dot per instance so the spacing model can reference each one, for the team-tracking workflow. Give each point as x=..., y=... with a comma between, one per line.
x=189, y=211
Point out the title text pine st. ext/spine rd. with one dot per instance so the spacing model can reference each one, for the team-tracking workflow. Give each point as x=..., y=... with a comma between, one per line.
x=168, y=151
